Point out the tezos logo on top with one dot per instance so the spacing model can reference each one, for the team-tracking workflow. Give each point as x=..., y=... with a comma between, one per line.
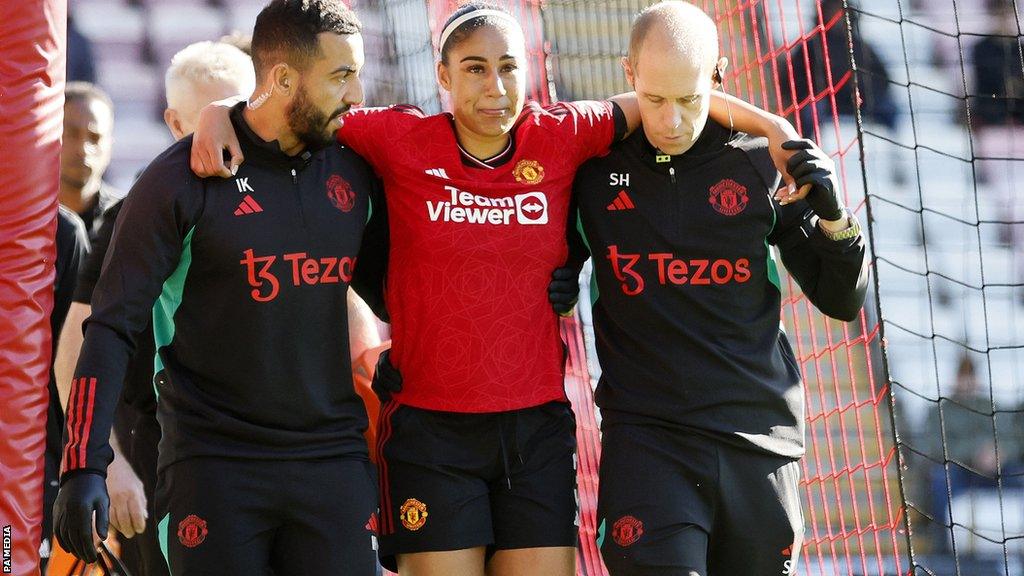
x=461, y=206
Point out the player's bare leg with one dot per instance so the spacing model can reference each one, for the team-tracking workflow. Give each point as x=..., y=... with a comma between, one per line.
x=468, y=562
x=550, y=561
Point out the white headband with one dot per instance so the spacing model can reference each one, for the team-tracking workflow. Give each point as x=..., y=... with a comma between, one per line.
x=482, y=12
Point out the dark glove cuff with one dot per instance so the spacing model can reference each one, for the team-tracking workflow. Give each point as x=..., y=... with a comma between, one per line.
x=78, y=472
x=828, y=211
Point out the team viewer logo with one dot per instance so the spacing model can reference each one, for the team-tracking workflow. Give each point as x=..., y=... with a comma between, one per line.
x=413, y=514
x=627, y=530
x=192, y=531
x=340, y=192
x=532, y=208
x=460, y=206
x=728, y=197
x=528, y=172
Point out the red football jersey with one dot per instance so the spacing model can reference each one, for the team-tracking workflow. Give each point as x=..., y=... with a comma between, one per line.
x=472, y=251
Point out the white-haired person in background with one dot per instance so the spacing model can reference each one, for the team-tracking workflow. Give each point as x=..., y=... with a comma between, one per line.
x=199, y=74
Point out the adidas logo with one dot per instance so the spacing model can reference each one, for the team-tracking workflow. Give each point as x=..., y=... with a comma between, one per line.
x=248, y=206
x=439, y=172
x=622, y=202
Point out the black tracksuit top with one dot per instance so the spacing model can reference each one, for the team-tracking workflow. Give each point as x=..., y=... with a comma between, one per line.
x=245, y=279
x=688, y=314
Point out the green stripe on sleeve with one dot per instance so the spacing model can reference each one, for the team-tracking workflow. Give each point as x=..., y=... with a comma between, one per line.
x=167, y=304
x=773, y=266
x=594, y=292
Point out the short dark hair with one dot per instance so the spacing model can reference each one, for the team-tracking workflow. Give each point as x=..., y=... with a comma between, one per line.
x=88, y=92
x=286, y=30
x=466, y=29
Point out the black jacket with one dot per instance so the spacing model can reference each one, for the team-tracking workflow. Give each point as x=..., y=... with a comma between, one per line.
x=688, y=314
x=245, y=279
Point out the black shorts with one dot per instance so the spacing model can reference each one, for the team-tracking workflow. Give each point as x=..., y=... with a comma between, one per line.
x=678, y=504
x=452, y=481
x=263, y=517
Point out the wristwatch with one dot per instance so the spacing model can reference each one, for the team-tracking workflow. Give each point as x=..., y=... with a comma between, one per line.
x=852, y=230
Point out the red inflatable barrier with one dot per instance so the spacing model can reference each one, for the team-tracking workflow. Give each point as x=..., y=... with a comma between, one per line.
x=32, y=48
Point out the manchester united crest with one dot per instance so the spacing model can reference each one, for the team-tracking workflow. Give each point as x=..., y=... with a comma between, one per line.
x=192, y=531
x=340, y=193
x=627, y=530
x=528, y=172
x=413, y=514
x=728, y=197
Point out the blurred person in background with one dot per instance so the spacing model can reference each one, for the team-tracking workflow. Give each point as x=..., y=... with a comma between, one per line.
x=829, y=53
x=85, y=153
x=998, y=75
x=199, y=74
x=997, y=110
x=965, y=431
x=72, y=248
x=80, y=57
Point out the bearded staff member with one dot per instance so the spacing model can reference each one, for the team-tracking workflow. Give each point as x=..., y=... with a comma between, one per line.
x=263, y=465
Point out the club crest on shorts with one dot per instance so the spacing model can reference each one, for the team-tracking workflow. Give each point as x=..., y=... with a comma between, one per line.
x=528, y=172
x=192, y=531
x=627, y=530
x=339, y=191
x=413, y=514
x=728, y=197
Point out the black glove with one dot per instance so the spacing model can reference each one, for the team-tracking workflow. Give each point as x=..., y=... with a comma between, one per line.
x=811, y=165
x=79, y=496
x=387, y=380
x=564, y=289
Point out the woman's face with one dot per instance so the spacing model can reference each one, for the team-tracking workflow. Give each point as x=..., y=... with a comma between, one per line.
x=486, y=76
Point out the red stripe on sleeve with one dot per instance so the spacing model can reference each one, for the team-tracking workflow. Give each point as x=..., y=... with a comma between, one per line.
x=74, y=464
x=72, y=416
x=87, y=425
